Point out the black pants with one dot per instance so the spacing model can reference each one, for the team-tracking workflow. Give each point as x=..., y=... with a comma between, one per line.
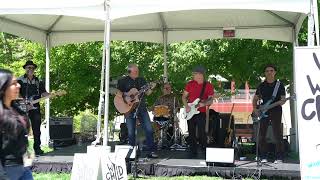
x=35, y=118
x=197, y=121
x=275, y=117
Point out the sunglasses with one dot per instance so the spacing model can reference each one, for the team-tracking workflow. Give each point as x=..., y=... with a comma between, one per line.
x=269, y=71
x=30, y=67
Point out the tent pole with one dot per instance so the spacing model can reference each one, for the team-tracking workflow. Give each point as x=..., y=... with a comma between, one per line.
x=294, y=114
x=106, y=46
x=165, y=61
x=316, y=20
x=98, y=135
x=311, y=26
x=47, y=84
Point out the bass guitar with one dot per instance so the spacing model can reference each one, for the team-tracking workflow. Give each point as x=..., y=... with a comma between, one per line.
x=130, y=100
x=261, y=112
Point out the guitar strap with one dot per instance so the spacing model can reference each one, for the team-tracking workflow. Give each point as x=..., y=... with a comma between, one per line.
x=275, y=90
x=207, y=108
x=202, y=90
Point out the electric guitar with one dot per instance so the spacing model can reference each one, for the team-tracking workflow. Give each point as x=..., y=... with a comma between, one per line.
x=261, y=113
x=228, y=139
x=130, y=100
x=31, y=101
x=193, y=108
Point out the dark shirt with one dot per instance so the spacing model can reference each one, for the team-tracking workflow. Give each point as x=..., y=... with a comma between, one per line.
x=265, y=91
x=13, y=145
x=31, y=88
x=126, y=83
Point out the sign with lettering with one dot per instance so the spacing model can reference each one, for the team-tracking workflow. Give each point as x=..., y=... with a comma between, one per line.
x=86, y=167
x=113, y=167
x=307, y=73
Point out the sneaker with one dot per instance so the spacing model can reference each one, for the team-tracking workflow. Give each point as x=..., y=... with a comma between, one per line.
x=152, y=155
x=278, y=161
x=264, y=160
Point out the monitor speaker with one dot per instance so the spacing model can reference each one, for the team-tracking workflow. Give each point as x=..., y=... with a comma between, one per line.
x=125, y=150
x=220, y=156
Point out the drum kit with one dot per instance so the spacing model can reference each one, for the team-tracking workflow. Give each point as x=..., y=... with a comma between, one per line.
x=167, y=131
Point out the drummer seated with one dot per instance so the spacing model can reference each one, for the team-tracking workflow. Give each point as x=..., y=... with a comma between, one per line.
x=165, y=104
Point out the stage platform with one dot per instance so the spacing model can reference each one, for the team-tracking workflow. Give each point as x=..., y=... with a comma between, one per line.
x=174, y=163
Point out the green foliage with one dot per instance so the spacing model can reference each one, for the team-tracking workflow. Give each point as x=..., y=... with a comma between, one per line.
x=84, y=122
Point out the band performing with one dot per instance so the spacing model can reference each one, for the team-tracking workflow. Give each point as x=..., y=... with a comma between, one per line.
x=194, y=104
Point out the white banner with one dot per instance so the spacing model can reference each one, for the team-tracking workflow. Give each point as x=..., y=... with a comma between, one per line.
x=307, y=75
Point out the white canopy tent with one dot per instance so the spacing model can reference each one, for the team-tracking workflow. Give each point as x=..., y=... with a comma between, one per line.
x=167, y=21
x=146, y=20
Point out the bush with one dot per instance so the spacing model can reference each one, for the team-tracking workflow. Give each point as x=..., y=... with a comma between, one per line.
x=85, y=122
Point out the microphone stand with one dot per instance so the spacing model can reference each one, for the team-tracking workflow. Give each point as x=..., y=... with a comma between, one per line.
x=258, y=160
x=135, y=173
x=175, y=146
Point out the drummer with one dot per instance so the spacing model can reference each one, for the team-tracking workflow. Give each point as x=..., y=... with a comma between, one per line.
x=167, y=99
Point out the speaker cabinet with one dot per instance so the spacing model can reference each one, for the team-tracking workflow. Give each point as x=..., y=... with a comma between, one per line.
x=61, y=128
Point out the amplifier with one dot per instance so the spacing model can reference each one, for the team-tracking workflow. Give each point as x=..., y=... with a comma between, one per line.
x=61, y=128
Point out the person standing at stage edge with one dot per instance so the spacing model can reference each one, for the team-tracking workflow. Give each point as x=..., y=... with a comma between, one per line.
x=270, y=89
x=32, y=87
x=198, y=88
x=125, y=84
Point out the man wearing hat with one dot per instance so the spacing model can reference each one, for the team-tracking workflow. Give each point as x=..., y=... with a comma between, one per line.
x=198, y=87
x=32, y=87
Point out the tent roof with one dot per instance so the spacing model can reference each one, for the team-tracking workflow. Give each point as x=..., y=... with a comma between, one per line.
x=146, y=20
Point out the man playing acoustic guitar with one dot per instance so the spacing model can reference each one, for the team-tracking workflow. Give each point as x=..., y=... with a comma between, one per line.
x=270, y=91
x=126, y=84
x=195, y=89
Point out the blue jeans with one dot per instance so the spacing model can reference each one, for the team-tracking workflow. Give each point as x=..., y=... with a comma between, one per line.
x=144, y=119
x=18, y=172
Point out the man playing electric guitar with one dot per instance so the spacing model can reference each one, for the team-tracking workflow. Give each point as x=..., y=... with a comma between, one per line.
x=31, y=86
x=269, y=92
x=195, y=89
x=125, y=84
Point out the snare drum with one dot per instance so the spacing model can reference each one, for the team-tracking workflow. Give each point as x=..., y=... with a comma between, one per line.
x=161, y=111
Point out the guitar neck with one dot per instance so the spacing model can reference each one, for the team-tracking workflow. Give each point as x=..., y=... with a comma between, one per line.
x=40, y=99
x=273, y=105
x=229, y=125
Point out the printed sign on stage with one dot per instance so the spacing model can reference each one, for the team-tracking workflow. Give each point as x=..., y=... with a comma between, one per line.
x=86, y=167
x=113, y=167
x=307, y=73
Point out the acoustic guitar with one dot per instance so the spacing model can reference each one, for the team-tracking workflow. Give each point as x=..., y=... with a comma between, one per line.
x=130, y=100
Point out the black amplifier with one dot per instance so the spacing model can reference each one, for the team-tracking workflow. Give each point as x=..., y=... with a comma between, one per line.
x=61, y=128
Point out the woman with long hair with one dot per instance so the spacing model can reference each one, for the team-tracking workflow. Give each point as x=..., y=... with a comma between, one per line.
x=14, y=127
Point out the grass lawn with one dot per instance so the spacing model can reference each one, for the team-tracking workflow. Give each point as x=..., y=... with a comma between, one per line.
x=49, y=176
